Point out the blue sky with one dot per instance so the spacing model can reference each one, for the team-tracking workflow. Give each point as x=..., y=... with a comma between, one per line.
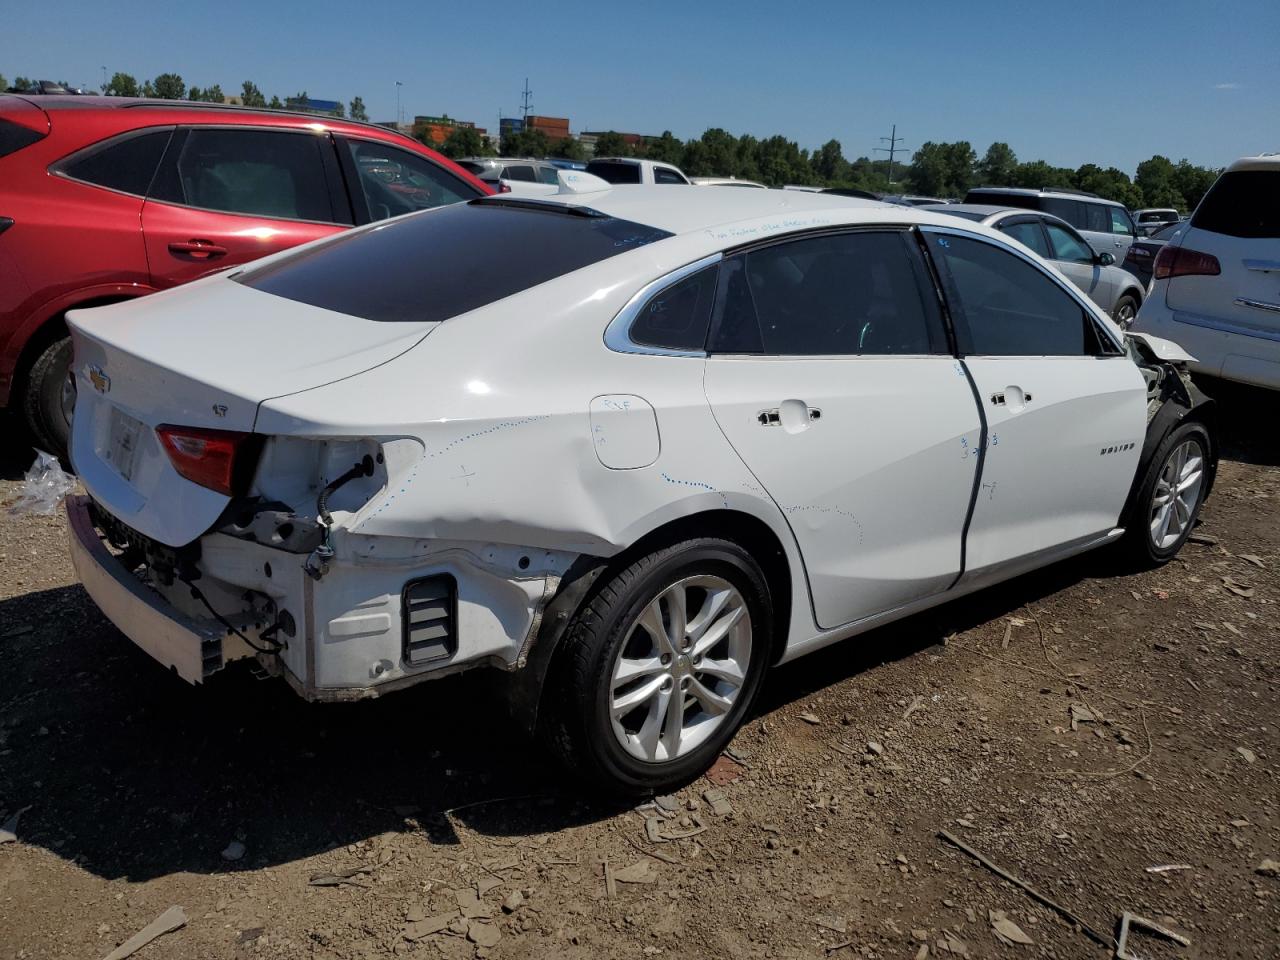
x=1110, y=83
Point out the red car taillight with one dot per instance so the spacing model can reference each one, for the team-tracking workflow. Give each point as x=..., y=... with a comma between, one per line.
x=1180, y=262
x=221, y=460
x=503, y=187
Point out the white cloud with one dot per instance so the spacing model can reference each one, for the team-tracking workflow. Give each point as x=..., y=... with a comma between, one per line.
x=1227, y=86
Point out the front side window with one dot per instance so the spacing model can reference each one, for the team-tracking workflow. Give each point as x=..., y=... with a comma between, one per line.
x=263, y=173
x=1068, y=246
x=520, y=171
x=676, y=318
x=395, y=181
x=1009, y=307
x=126, y=164
x=1121, y=222
x=1029, y=234
x=835, y=295
x=1242, y=203
x=667, y=175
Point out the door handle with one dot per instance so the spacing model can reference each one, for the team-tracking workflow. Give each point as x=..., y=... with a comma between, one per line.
x=793, y=415
x=1015, y=398
x=197, y=250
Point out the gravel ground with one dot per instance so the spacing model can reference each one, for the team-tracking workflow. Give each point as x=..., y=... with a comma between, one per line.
x=1077, y=727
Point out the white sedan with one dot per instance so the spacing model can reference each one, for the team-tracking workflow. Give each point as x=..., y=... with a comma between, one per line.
x=680, y=436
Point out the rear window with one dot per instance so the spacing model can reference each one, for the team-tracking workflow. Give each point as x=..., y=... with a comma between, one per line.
x=14, y=136
x=435, y=265
x=1157, y=216
x=1245, y=203
x=1024, y=201
x=614, y=171
x=126, y=164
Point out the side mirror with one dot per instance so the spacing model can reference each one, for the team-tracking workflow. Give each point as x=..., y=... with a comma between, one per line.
x=1106, y=259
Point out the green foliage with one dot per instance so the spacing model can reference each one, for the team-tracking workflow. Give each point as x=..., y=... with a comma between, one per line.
x=23, y=83
x=357, y=110
x=781, y=161
x=998, y=166
x=251, y=96
x=122, y=85
x=568, y=149
x=1037, y=174
x=275, y=103
x=299, y=101
x=338, y=111
x=1192, y=182
x=462, y=142
x=1110, y=183
x=664, y=149
x=4, y=84
x=168, y=86
x=526, y=143
x=208, y=95
x=943, y=169
x=612, y=144
x=829, y=164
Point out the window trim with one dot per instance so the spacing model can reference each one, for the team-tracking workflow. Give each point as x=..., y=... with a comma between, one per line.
x=956, y=310
x=329, y=164
x=58, y=167
x=617, y=335
x=1036, y=217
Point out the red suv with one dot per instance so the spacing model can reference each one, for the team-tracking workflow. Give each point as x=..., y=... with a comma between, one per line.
x=106, y=198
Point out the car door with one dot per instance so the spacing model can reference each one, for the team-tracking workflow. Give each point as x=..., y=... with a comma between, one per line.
x=228, y=195
x=1077, y=261
x=830, y=374
x=1064, y=408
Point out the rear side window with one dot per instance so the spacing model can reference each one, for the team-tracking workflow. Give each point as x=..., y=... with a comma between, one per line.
x=126, y=163
x=1072, y=211
x=676, y=318
x=14, y=136
x=615, y=171
x=1011, y=308
x=1244, y=203
x=435, y=265
x=837, y=295
x=667, y=175
x=253, y=172
x=549, y=175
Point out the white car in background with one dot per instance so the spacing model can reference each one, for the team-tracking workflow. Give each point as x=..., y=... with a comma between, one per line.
x=1149, y=220
x=1111, y=287
x=626, y=171
x=1216, y=283
x=521, y=176
x=679, y=437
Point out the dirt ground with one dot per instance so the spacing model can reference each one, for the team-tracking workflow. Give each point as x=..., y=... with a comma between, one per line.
x=421, y=812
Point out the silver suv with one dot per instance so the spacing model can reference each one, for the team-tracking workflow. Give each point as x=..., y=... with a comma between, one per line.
x=493, y=169
x=1106, y=224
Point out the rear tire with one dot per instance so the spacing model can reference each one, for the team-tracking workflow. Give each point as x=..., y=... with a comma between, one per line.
x=1170, y=497
x=45, y=399
x=1125, y=310
x=659, y=667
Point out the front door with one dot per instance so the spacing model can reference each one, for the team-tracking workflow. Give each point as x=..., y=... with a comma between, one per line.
x=228, y=195
x=1065, y=409
x=831, y=376
x=1076, y=259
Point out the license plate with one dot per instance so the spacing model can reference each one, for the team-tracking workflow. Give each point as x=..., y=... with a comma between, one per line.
x=123, y=442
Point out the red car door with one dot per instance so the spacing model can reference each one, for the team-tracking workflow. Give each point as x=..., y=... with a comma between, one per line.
x=228, y=195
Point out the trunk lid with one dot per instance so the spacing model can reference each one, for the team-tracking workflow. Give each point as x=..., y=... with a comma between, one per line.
x=204, y=355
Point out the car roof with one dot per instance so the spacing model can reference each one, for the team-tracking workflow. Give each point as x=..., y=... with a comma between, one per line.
x=989, y=211
x=1265, y=161
x=1048, y=192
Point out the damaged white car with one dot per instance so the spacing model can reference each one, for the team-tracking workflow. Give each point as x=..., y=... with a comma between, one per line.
x=677, y=437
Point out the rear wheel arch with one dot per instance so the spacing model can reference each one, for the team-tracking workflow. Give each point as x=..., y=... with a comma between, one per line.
x=54, y=327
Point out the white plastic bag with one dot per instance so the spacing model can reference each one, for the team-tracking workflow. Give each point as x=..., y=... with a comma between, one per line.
x=43, y=487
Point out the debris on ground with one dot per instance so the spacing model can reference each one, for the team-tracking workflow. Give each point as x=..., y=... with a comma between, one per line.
x=642, y=871
x=483, y=934
x=513, y=902
x=875, y=749
x=661, y=831
x=718, y=801
x=1239, y=589
x=470, y=905
x=234, y=851
x=421, y=929
x=1252, y=558
x=810, y=718
x=950, y=943
x=1249, y=755
x=1133, y=921
x=1081, y=714
x=1006, y=931
x=172, y=919
x=337, y=878
x=9, y=830
x=43, y=487
x=1169, y=867
x=668, y=803
x=725, y=770
x=1268, y=868
x=835, y=924
x=916, y=704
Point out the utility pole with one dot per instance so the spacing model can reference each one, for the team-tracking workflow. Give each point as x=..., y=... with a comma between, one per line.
x=526, y=104
x=104, y=79
x=399, y=112
x=893, y=140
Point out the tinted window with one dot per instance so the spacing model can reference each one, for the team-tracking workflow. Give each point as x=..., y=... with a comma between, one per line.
x=395, y=181
x=965, y=214
x=1023, y=201
x=254, y=172
x=471, y=166
x=14, y=136
x=1067, y=246
x=549, y=175
x=1167, y=232
x=615, y=171
x=126, y=164
x=522, y=172
x=1010, y=307
x=1029, y=235
x=1121, y=222
x=677, y=317
x=1097, y=218
x=438, y=264
x=1245, y=203
x=1156, y=216
x=667, y=175
x=855, y=293
x=1071, y=211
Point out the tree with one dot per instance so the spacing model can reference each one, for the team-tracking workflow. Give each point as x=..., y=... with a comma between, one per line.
x=168, y=86
x=462, y=142
x=716, y=155
x=23, y=83
x=829, y=164
x=612, y=144
x=665, y=149
x=357, y=110
x=275, y=103
x=943, y=169
x=337, y=111
x=1156, y=180
x=782, y=161
x=526, y=143
x=122, y=85
x=208, y=95
x=1111, y=183
x=1192, y=182
x=251, y=96
x=569, y=148
x=998, y=166
x=4, y=84
x=1037, y=175
x=299, y=101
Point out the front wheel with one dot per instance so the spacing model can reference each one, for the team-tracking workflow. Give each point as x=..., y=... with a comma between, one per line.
x=658, y=669
x=1171, y=495
x=1124, y=312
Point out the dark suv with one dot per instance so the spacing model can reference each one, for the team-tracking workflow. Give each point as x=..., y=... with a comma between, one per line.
x=106, y=198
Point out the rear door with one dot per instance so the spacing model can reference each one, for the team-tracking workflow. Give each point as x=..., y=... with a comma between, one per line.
x=1238, y=222
x=830, y=374
x=1064, y=408
x=1077, y=261
x=228, y=195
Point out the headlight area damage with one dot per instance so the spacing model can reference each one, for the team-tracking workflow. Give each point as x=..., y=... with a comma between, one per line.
x=281, y=577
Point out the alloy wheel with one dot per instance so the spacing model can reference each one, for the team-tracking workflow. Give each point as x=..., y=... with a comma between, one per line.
x=680, y=668
x=1176, y=494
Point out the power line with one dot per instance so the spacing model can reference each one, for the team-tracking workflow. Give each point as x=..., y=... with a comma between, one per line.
x=525, y=100
x=893, y=140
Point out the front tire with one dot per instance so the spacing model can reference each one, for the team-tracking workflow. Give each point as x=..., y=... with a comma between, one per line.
x=1125, y=311
x=1171, y=495
x=48, y=399
x=659, y=668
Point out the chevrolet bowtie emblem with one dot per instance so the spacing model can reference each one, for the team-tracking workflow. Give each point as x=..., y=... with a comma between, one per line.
x=101, y=382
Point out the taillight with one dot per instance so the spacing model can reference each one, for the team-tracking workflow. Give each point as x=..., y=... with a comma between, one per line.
x=221, y=460
x=1174, y=261
x=504, y=187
